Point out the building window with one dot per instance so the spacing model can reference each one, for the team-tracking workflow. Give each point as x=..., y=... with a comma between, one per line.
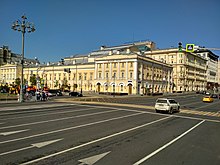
x=121, y=88
x=122, y=75
x=107, y=65
x=85, y=76
x=131, y=64
x=131, y=75
x=114, y=75
x=100, y=65
x=91, y=76
x=114, y=65
x=100, y=75
x=107, y=75
x=123, y=65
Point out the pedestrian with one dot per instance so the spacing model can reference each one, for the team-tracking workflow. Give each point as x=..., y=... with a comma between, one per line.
x=43, y=96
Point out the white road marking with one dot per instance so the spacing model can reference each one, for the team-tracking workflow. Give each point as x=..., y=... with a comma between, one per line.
x=196, y=118
x=206, y=105
x=12, y=132
x=38, y=106
x=70, y=128
x=46, y=114
x=95, y=141
x=38, y=145
x=59, y=119
x=168, y=144
x=42, y=144
x=93, y=159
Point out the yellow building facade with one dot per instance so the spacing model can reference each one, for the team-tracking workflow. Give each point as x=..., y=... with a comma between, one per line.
x=9, y=72
x=107, y=74
x=120, y=70
x=189, y=69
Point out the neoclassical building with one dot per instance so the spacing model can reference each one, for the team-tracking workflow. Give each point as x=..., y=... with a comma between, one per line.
x=189, y=69
x=10, y=65
x=211, y=67
x=120, y=69
x=135, y=68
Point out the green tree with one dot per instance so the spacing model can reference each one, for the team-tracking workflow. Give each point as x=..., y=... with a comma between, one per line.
x=18, y=81
x=56, y=83
x=33, y=79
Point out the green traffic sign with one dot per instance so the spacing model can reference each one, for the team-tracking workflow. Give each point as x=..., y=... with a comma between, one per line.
x=190, y=47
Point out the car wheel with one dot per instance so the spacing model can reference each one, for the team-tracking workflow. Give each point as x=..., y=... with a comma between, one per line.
x=178, y=109
x=171, y=111
x=157, y=111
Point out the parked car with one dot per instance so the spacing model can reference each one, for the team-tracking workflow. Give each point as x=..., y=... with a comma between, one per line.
x=59, y=93
x=208, y=99
x=55, y=92
x=214, y=96
x=207, y=93
x=77, y=94
x=66, y=92
x=168, y=105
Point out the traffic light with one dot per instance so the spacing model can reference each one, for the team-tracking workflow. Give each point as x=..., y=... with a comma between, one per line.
x=180, y=47
x=62, y=61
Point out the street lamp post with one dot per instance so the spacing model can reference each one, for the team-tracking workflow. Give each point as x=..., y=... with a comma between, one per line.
x=114, y=85
x=22, y=26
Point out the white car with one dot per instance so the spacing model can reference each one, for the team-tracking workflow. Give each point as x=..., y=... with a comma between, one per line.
x=168, y=105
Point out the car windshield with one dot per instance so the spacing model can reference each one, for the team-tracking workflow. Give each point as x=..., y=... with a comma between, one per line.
x=161, y=101
x=172, y=101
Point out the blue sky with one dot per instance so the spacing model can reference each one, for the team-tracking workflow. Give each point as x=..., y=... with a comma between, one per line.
x=69, y=27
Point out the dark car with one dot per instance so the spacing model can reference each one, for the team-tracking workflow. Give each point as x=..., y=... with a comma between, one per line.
x=55, y=92
x=59, y=93
x=77, y=94
x=214, y=96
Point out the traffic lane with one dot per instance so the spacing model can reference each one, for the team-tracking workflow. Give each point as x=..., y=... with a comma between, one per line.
x=201, y=147
x=74, y=137
x=27, y=106
x=126, y=148
x=46, y=116
x=132, y=150
x=40, y=128
x=211, y=107
x=201, y=106
x=150, y=101
x=38, y=111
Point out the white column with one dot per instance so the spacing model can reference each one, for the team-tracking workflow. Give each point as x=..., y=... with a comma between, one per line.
x=135, y=70
x=126, y=71
x=103, y=71
x=95, y=76
x=118, y=70
x=110, y=76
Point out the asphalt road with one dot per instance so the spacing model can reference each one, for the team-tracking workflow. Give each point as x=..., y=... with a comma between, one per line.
x=77, y=133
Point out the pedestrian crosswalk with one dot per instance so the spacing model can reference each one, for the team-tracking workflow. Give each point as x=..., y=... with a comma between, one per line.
x=203, y=113
x=184, y=111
